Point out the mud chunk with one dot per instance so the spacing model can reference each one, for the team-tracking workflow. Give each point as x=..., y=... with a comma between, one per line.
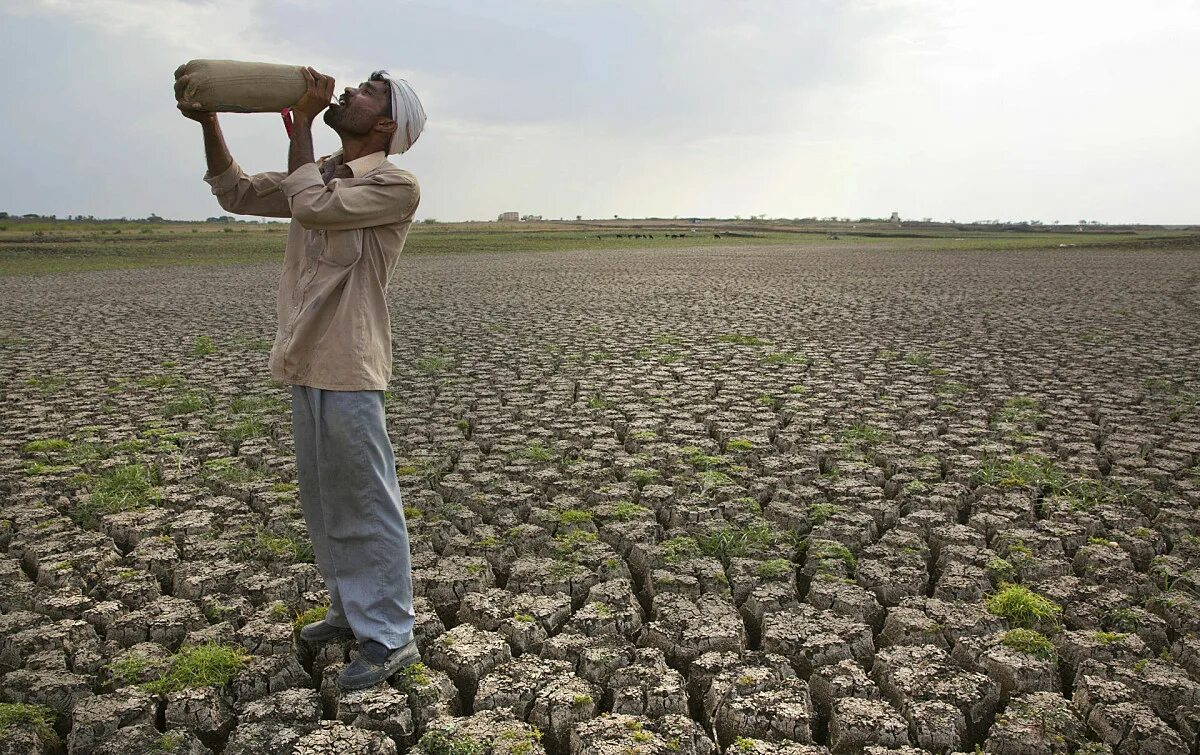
x=782, y=713
x=647, y=687
x=839, y=680
x=911, y=626
x=611, y=608
x=1035, y=724
x=1162, y=685
x=1009, y=659
x=165, y=621
x=811, y=638
x=494, y=731
x=205, y=711
x=692, y=577
x=917, y=673
x=845, y=597
x=564, y=701
x=936, y=725
x=139, y=664
x=67, y=636
x=514, y=685
x=857, y=722
x=431, y=693
x=619, y=733
x=683, y=629
x=1077, y=646
x=379, y=708
x=145, y=738
x=593, y=658
x=751, y=746
x=467, y=654
x=894, y=568
x=292, y=706
x=57, y=690
x=268, y=674
x=548, y=576
x=336, y=738
x=524, y=620
x=718, y=678
x=448, y=579
x=765, y=599
x=95, y=719
x=1132, y=728
x=265, y=739
x=1094, y=689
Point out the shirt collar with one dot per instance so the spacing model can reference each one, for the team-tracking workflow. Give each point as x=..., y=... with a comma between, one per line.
x=367, y=163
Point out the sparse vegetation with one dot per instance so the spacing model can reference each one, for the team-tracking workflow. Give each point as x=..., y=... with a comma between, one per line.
x=739, y=339
x=40, y=718
x=1029, y=641
x=123, y=488
x=208, y=665
x=1023, y=608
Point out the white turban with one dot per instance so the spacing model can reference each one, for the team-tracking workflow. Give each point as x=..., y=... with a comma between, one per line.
x=406, y=112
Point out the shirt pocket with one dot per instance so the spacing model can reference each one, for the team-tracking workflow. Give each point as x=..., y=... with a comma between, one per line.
x=341, y=248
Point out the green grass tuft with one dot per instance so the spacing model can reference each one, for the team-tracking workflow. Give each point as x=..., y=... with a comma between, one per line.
x=739, y=339
x=124, y=488
x=38, y=717
x=729, y=541
x=186, y=402
x=272, y=547
x=1023, y=608
x=775, y=568
x=203, y=346
x=439, y=742
x=209, y=665
x=819, y=549
x=45, y=446
x=1029, y=641
x=311, y=616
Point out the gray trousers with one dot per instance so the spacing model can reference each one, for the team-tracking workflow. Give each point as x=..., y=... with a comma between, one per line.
x=354, y=511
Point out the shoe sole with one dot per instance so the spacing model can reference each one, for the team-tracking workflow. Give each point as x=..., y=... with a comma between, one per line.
x=390, y=667
x=339, y=633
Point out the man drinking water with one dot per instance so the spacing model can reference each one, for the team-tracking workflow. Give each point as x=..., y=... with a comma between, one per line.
x=350, y=216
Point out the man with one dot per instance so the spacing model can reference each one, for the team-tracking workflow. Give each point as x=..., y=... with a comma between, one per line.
x=350, y=215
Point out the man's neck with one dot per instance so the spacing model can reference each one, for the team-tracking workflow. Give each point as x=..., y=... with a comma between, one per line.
x=354, y=148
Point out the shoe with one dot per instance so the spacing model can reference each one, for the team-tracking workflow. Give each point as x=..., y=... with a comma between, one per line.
x=375, y=663
x=320, y=632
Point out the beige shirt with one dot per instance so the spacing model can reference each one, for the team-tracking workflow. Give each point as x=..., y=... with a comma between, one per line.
x=342, y=247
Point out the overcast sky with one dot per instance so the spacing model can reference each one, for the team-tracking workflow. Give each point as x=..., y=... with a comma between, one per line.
x=951, y=109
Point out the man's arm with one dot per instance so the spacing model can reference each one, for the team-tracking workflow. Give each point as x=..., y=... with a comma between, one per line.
x=235, y=191
x=316, y=98
x=339, y=205
x=216, y=152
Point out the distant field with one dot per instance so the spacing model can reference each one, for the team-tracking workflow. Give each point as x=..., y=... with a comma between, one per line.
x=784, y=488
x=51, y=247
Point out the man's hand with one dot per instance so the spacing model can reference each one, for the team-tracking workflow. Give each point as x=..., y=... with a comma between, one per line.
x=191, y=110
x=317, y=97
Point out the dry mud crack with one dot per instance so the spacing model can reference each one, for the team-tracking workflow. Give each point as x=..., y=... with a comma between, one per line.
x=697, y=501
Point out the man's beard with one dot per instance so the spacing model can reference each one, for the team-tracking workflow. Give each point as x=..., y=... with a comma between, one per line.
x=338, y=120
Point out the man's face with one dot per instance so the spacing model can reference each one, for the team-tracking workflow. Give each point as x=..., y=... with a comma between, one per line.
x=359, y=108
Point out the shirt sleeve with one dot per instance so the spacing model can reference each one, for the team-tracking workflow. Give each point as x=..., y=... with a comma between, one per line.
x=243, y=194
x=343, y=204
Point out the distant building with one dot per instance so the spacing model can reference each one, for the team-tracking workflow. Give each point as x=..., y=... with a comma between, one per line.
x=506, y=217
x=895, y=218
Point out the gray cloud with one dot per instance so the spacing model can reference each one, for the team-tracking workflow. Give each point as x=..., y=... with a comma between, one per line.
x=931, y=107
